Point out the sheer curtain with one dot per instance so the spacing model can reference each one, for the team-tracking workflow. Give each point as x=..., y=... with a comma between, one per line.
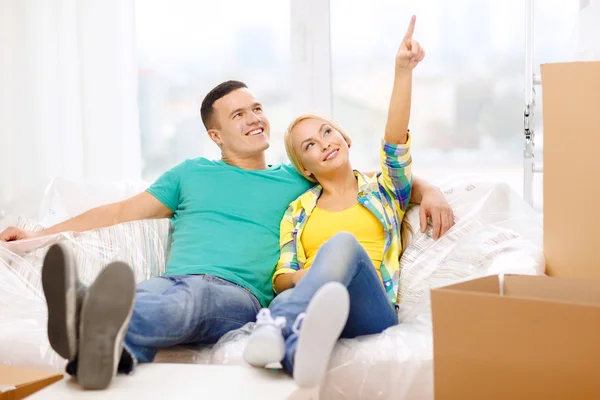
x=68, y=94
x=588, y=48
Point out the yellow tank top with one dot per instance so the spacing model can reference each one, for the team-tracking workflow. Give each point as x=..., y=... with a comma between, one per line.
x=359, y=221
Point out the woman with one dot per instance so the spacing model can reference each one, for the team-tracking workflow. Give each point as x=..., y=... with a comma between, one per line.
x=340, y=241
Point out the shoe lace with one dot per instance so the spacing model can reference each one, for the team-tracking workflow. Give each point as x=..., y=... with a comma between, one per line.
x=264, y=318
x=298, y=323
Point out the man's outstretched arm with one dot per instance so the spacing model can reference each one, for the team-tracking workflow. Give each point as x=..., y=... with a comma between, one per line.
x=141, y=206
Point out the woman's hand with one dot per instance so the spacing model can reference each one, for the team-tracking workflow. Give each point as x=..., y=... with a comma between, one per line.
x=410, y=52
x=298, y=275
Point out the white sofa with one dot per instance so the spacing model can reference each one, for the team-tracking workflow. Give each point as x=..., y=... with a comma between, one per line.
x=495, y=232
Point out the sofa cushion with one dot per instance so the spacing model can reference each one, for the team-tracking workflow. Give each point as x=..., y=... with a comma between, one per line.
x=495, y=231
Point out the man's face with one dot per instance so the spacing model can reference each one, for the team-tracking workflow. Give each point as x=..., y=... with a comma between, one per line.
x=240, y=126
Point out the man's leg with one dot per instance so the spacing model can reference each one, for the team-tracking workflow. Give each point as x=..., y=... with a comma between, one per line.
x=151, y=301
x=105, y=314
x=64, y=295
x=189, y=309
x=128, y=361
x=174, y=310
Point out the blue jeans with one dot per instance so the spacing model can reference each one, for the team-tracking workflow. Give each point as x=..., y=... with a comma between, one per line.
x=182, y=309
x=341, y=259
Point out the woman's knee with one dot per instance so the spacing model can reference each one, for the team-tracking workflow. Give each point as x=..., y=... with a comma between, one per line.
x=341, y=256
x=344, y=240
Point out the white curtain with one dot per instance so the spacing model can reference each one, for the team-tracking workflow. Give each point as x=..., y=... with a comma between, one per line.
x=68, y=94
x=588, y=27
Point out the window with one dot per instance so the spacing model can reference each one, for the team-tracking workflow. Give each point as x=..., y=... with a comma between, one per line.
x=468, y=94
x=185, y=48
x=555, y=40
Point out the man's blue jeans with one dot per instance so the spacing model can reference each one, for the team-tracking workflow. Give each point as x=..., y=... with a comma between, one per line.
x=182, y=309
x=341, y=259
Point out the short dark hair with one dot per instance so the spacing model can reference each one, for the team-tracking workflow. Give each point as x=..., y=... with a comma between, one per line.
x=221, y=90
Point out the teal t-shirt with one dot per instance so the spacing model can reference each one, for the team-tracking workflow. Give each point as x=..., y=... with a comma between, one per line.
x=226, y=220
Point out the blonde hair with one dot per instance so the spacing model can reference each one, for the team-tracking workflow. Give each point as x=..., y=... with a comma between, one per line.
x=405, y=227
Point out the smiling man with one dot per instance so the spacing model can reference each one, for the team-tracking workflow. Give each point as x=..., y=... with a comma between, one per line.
x=225, y=215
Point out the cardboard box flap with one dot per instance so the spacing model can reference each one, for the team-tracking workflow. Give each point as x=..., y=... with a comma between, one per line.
x=19, y=376
x=488, y=284
x=25, y=380
x=533, y=288
x=555, y=289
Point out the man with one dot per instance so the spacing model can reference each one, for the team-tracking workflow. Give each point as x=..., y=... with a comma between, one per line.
x=226, y=217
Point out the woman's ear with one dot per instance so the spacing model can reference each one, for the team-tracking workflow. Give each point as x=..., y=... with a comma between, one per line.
x=307, y=173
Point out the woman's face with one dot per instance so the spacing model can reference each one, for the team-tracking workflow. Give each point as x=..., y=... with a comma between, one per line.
x=320, y=147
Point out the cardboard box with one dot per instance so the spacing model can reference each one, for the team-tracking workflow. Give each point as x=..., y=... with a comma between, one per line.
x=571, y=116
x=540, y=339
x=17, y=382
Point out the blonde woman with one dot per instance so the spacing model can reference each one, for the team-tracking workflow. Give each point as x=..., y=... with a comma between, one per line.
x=340, y=241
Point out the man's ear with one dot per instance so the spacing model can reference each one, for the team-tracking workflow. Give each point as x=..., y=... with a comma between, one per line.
x=215, y=136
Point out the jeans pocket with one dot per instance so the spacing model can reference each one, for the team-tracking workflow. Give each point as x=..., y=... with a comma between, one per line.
x=216, y=279
x=220, y=281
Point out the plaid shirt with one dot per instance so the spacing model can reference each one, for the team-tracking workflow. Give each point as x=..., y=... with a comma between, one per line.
x=386, y=195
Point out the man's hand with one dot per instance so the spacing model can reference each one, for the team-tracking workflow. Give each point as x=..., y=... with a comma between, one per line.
x=298, y=275
x=435, y=207
x=410, y=52
x=12, y=234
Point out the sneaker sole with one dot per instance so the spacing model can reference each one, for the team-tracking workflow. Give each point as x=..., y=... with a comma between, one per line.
x=58, y=282
x=105, y=316
x=324, y=321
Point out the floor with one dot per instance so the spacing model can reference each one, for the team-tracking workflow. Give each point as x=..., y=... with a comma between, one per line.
x=187, y=381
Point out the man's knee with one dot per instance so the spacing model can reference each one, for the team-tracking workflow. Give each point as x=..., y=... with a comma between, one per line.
x=156, y=285
x=172, y=305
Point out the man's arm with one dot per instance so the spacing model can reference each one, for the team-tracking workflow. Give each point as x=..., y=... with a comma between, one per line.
x=420, y=187
x=432, y=203
x=433, y=206
x=141, y=206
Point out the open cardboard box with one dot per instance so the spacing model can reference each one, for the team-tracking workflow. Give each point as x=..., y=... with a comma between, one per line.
x=17, y=382
x=517, y=337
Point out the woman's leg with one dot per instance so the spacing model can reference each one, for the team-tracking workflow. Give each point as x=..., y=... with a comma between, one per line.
x=342, y=259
